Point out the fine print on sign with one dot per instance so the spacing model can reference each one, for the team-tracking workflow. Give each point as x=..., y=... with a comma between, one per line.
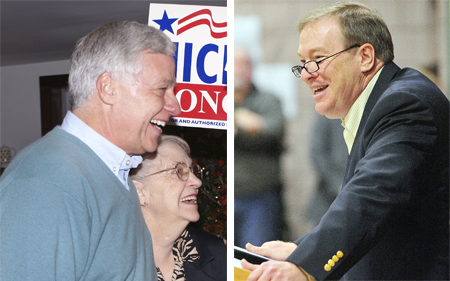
x=200, y=34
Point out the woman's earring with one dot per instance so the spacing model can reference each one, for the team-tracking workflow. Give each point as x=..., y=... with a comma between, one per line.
x=142, y=199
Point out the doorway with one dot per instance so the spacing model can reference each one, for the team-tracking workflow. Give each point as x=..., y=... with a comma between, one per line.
x=54, y=100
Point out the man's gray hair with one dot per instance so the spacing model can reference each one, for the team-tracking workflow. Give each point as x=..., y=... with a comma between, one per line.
x=116, y=48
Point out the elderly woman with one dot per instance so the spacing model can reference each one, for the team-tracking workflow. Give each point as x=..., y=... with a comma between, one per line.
x=167, y=183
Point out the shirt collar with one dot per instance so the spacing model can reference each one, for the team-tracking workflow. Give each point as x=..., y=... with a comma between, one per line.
x=351, y=121
x=114, y=157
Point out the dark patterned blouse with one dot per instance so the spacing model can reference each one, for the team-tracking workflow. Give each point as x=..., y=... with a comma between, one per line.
x=183, y=251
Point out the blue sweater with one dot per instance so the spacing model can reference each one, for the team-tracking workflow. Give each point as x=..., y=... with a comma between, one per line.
x=65, y=216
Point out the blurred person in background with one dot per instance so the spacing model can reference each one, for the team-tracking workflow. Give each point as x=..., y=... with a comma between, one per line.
x=167, y=183
x=328, y=154
x=258, y=144
x=391, y=219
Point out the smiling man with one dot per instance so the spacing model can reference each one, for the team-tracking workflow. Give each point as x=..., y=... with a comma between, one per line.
x=391, y=219
x=67, y=208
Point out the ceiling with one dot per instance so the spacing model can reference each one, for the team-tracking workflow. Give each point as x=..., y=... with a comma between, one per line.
x=41, y=31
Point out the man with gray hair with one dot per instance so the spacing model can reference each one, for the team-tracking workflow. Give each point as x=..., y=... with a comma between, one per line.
x=390, y=220
x=67, y=208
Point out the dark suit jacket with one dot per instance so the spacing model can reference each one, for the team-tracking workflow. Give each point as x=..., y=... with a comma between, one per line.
x=212, y=264
x=391, y=219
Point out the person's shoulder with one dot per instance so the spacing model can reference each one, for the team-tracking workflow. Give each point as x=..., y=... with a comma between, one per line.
x=409, y=86
x=412, y=81
x=57, y=145
x=205, y=236
x=54, y=158
x=204, y=240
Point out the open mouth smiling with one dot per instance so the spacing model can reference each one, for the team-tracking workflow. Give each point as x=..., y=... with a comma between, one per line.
x=158, y=124
x=317, y=90
x=189, y=199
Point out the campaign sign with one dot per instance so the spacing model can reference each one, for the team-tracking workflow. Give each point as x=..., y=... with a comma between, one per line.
x=200, y=35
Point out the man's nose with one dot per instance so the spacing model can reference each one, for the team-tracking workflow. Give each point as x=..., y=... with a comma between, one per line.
x=172, y=105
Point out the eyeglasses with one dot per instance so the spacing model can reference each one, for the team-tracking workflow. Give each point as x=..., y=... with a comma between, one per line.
x=182, y=171
x=314, y=65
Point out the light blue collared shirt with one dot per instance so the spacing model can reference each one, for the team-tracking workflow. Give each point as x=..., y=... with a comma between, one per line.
x=114, y=157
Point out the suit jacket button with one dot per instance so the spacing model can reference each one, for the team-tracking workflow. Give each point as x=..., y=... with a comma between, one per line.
x=327, y=267
x=335, y=258
x=340, y=254
x=331, y=263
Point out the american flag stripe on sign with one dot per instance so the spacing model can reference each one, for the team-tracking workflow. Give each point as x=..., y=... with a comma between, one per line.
x=198, y=18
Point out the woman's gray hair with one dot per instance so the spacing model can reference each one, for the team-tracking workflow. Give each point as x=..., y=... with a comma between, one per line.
x=148, y=159
x=359, y=25
x=116, y=48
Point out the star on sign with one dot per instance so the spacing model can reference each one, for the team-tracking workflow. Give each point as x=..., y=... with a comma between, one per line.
x=165, y=23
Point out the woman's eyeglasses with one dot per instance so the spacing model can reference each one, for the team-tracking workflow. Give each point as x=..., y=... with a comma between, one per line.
x=182, y=171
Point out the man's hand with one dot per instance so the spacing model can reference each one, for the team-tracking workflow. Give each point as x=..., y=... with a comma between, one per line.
x=274, y=270
x=276, y=250
x=278, y=269
x=248, y=121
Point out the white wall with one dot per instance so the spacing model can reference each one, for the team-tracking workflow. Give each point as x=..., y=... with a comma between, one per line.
x=20, y=115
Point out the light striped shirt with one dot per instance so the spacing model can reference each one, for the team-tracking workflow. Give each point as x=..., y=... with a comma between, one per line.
x=351, y=121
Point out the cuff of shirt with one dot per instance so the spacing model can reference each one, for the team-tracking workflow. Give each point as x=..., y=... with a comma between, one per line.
x=310, y=277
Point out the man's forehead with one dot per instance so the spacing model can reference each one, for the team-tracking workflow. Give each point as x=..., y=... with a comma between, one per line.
x=320, y=36
x=327, y=27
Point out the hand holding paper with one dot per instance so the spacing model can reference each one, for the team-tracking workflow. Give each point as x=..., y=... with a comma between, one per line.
x=277, y=268
x=275, y=250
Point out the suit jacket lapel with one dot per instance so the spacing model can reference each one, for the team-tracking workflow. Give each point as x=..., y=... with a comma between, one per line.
x=200, y=265
x=205, y=257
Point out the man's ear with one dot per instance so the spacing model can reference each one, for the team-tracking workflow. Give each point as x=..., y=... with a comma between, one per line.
x=368, y=59
x=105, y=88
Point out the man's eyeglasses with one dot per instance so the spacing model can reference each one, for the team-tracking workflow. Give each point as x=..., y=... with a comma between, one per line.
x=313, y=65
x=182, y=171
